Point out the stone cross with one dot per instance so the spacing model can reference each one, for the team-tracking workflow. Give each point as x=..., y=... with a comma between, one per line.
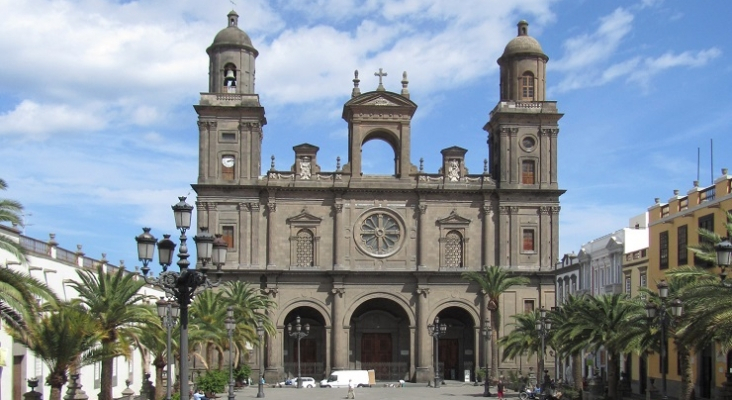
x=380, y=74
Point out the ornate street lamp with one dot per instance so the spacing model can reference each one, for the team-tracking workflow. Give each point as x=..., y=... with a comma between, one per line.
x=168, y=313
x=230, y=326
x=724, y=256
x=543, y=326
x=487, y=338
x=298, y=333
x=184, y=285
x=436, y=330
x=664, y=320
x=260, y=333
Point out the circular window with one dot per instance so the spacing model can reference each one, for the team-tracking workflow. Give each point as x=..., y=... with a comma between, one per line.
x=379, y=233
x=528, y=143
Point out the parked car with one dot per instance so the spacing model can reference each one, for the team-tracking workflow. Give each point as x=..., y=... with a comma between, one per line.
x=307, y=382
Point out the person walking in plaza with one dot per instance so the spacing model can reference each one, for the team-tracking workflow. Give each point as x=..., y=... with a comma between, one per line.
x=351, y=390
x=499, y=387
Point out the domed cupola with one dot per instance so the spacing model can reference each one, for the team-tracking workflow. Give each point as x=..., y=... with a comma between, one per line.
x=231, y=55
x=523, y=68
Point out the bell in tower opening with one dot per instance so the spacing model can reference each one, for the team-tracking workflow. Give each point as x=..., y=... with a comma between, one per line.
x=230, y=78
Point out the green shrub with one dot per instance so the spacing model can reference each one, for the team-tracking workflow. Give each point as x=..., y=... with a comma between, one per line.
x=242, y=373
x=213, y=381
x=480, y=374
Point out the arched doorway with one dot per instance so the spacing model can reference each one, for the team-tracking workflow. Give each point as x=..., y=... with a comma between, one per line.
x=311, y=354
x=457, y=346
x=380, y=339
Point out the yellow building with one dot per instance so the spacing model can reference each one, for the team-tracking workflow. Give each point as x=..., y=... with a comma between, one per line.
x=673, y=227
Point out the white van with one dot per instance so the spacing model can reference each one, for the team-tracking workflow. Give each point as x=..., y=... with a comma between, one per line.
x=339, y=379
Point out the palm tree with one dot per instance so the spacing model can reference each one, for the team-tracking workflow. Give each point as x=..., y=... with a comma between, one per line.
x=115, y=300
x=561, y=326
x=599, y=322
x=11, y=212
x=19, y=294
x=250, y=310
x=523, y=339
x=65, y=337
x=207, y=329
x=494, y=281
x=154, y=341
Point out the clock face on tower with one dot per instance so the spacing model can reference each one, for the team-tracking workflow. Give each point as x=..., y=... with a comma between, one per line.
x=227, y=161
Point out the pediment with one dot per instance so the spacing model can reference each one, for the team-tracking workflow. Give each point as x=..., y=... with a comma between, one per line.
x=380, y=99
x=453, y=219
x=304, y=218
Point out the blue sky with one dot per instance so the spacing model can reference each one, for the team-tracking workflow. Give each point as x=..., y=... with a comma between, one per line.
x=98, y=135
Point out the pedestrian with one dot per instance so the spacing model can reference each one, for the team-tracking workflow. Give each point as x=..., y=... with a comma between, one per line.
x=499, y=387
x=546, y=384
x=351, y=390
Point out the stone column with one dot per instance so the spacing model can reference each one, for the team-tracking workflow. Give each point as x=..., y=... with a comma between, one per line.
x=514, y=238
x=254, y=238
x=337, y=234
x=545, y=235
x=212, y=222
x=503, y=156
x=515, y=165
x=211, y=146
x=340, y=346
x=503, y=252
x=424, y=341
x=554, y=221
x=545, y=163
x=202, y=151
x=489, y=240
x=421, y=211
x=201, y=214
x=243, y=234
x=273, y=351
x=271, y=209
x=553, y=173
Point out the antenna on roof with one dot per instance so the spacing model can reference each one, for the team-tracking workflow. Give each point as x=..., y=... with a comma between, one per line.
x=711, y=161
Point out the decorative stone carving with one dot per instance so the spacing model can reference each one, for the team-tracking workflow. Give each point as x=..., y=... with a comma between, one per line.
x=380, y=233
x=453, y=173
x=305, y=168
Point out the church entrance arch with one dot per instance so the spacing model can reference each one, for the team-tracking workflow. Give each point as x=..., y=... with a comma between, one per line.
x=380, y=339
x=457, y=352
x=312, y=351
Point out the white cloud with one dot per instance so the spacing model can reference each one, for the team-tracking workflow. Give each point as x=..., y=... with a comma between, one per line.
x=653, y=66
x=34, y=121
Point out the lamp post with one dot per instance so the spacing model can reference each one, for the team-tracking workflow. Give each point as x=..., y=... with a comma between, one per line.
x=182, y=286
x=260, y=333
x=168, y=313
x=436, y=330
x=543, y=325
x=487, y=336
x=724, y=256
x=230, y=326
x=298, y=333
x=664, y=320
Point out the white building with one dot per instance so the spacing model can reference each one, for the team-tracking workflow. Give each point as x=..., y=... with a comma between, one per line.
x=57, y=267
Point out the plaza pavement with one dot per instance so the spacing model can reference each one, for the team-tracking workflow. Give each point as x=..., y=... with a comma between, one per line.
x=411, y=391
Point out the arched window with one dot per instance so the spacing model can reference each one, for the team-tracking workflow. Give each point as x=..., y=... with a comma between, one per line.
x=304, y=248
x=230, y=78
x=454, y=249
x=527, y=86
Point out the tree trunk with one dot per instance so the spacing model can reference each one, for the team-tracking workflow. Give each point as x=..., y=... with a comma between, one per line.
x=577, y=371
x=494, y=344
x=105, y=392
x=56, y=392
x=160, y=364
x=613, y=368
x=687, y=387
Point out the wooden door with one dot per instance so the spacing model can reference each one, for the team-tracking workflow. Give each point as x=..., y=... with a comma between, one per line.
x=450, y=359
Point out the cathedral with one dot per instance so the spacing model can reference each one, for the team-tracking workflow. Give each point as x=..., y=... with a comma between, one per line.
x=368, y=262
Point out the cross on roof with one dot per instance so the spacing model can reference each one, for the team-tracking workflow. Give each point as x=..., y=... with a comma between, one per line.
x=380, y=74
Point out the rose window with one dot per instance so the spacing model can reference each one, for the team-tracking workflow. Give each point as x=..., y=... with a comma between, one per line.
x=380, y=234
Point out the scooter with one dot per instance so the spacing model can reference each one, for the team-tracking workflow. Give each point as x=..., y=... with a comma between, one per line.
x=530, y=394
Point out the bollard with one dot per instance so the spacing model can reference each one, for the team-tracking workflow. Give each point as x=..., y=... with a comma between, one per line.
x=74, y=391
x=32, y=395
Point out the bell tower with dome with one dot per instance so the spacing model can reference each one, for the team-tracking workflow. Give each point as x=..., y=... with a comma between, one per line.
x=522, y=147
x=230, y=117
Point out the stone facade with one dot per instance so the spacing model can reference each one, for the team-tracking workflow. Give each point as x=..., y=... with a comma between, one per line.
x=369, y=261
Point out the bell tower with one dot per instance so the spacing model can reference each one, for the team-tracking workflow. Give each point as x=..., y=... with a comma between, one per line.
x=522, y=131
x=230, y=117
